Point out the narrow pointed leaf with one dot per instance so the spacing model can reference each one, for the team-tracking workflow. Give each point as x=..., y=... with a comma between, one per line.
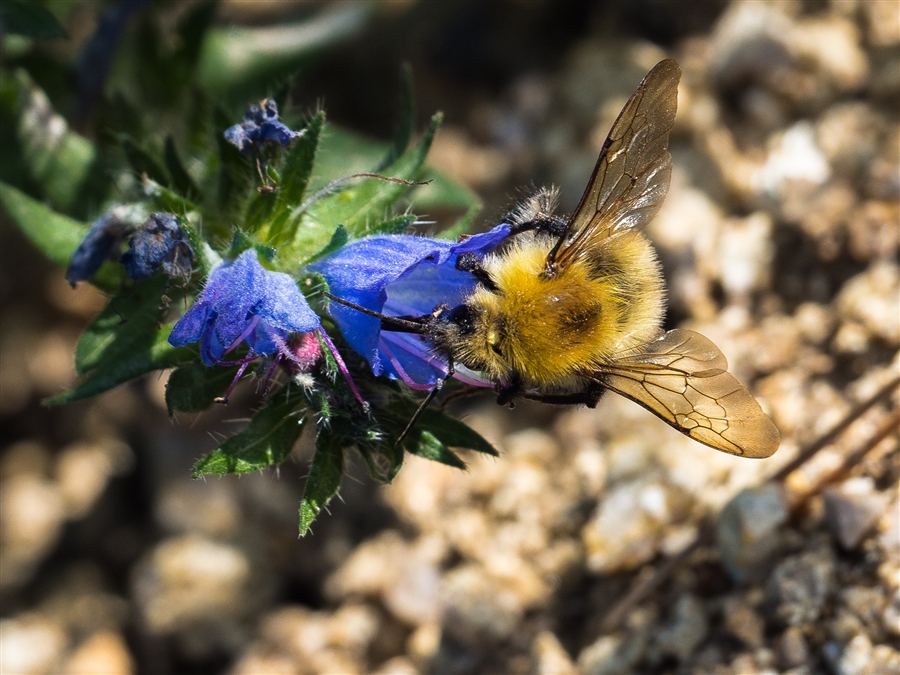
x=266, y=441
x=55, y=235
x=425, y=444
x=143, y=162
x=323, y=481
x=182, y=182
x=160, y=355
x=453, y=433
x=194, y=387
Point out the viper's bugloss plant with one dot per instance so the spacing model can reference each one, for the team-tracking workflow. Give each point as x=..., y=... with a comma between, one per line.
x=224, y=236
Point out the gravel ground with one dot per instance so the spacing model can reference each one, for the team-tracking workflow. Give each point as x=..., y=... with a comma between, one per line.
x=779, y=240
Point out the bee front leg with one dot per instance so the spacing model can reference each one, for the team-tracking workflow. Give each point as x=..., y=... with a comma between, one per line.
x=506, y=393
x=469, y=262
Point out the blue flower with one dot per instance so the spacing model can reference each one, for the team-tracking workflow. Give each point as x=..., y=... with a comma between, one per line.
x=260, y=126
x=243, y=302
x=401, y=275
x=102, y=240
x=160, y=242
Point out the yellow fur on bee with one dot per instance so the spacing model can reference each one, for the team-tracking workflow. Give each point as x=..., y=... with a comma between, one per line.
x=549, y=329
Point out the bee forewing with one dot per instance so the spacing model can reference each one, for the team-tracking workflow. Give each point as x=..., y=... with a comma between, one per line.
x=682, y=379
x=631, y=177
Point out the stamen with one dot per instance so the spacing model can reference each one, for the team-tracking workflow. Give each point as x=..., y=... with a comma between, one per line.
x=400, y=370
x=243, y=336
x=343, y=368
x=223, y=400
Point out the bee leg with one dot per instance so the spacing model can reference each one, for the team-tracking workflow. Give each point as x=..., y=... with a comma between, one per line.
x=469, y=262
x=426, y=401
x=589, y=397
x=550, y=225
x=507, y=393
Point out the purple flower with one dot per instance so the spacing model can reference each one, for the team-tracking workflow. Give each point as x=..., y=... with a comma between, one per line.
x=102, y=240
x=401, y=275
x=160, y=242
x=260, y=126
x=244, y=302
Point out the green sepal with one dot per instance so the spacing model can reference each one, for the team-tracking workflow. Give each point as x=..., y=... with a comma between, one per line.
x=324, y=479
x=196, y=386
x=55, y=235
x=144, y=163
x=397, y=225
x=461, y=226
x=338, y=239
x=181, y=179
x=29, y=18
x=267, y=440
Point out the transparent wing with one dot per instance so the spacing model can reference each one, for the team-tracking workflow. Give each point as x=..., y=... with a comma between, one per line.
x=682, y=379
x=632, y=173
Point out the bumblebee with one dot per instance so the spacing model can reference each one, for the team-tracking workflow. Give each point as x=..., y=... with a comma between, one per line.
x=569, y=308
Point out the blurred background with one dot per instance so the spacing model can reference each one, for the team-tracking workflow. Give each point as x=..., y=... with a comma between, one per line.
x=779, y=240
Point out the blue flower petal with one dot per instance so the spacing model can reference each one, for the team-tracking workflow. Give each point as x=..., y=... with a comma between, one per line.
x=259, y=126
x=242, y=300
x=157, y=242
x=398, y=275
x=102, y=239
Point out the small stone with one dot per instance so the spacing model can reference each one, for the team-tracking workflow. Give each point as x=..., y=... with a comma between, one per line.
x=748, y=530
x=399, y=665
x=686, y=629
x=852, y=509
x=630, y=523
x=743, y=622
x=83, y=471
x=792, y=649
x=800, y=585
x=614, y=654
x=189, y=580
x=550, y=657
x=482, y=604
x=103, y=653
x=31, y=644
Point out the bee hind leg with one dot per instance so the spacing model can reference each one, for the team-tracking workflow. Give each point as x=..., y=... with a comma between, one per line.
x=589, y=397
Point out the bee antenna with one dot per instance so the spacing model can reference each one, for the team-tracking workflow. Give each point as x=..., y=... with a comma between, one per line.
x=399, y=324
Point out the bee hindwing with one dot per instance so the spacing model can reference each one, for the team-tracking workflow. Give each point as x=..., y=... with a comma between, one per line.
x=682, y=378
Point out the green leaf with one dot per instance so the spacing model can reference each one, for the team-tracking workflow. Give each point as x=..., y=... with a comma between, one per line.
x=407, y=119
x=338, y=239
x=143, y=162
x=181, y=179
x=127, y=325
x=55, y=235
x=196, y=386
x=355, y=207
x=267, y=440
x=324, y=479
x=425, y=444
x=64, y=164
x=158, y=356
x=235, y=171
x=165, y=199
x=461, y=226
x=295, y=174
x=453, y=433
x=29, y=18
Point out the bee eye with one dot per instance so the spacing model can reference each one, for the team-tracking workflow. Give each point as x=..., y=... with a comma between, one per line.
x=464, y=317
